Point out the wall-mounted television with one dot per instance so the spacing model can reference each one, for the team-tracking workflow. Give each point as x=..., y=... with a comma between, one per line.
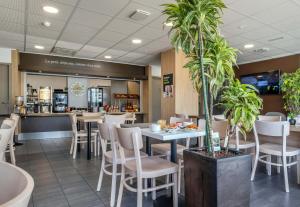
x=266, y=83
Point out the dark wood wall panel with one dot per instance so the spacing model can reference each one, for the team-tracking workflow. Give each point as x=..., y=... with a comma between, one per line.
x=284, y=64
x=73, y=66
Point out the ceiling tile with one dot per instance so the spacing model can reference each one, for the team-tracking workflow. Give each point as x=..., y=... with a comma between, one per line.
x=90, y=51
x=259, y=33
x=252, y=7
x=230, y=16
x=11, y=36
x=11, y=27
x=114, y=53
x=36, y=7
x=13, y=4
x=155, y=3
x=42, y=32
x=68, y=45
x=101, y=43
x=89, y=18
x=77, y=33
x=32, y=40
x=11, y=44
x=111, y=7
x=37, y=20
x=69, y=2
x=150, y=33
x=10, y=15
x=124, y=27
x=110, y=36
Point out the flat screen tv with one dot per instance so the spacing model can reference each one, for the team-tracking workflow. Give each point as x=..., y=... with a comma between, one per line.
x=266, y=83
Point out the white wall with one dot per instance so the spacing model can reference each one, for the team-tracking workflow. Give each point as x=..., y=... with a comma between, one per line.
x=5, y=55
x=56, y=82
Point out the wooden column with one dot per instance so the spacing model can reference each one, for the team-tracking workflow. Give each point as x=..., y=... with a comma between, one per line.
x=15, y=80
x=185, y=98
x=147, y=95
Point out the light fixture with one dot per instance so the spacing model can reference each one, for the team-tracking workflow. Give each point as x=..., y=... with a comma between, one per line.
x=107, y=57
x=169, y=24
x=50, y=9
x=136, y=41
x=39, y=47
x=248, y=46
x=46, y=24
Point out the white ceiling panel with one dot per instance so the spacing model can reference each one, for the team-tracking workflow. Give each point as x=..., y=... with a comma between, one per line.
x=101, y=43
x=110, y=36
x=150, y=33
x=89, y=18
x=42, y=32
x=78, y=33
x=36, y=7
x=11, y=36
x=159, y=23
x=10, y=15
x=108, y=7
x=90, y=51
x=32, y=40
x=12, y=44
x=155, y=3
x=113, y=53
x=260, y=32
x=68, y=2
x=12, y=27
x=69, y=45
x=122, y=26
x=13, y=4
x=37, y=20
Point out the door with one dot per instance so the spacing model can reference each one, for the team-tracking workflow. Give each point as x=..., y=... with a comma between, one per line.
x=4, y=94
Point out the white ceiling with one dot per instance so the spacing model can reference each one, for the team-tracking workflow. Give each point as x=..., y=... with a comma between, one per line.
x=95, y=28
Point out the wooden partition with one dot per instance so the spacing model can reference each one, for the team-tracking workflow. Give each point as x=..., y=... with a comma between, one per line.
x=147, y=95
x=185, y=98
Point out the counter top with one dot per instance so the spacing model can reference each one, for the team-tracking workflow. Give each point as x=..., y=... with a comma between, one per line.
x=66, y=114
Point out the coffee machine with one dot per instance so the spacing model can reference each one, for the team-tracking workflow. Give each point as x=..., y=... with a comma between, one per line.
x=19, y=107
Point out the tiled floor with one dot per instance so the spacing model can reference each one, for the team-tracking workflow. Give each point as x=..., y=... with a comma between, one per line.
x=61, y=181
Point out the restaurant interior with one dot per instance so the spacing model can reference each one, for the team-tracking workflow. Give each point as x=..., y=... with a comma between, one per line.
x=141, y=103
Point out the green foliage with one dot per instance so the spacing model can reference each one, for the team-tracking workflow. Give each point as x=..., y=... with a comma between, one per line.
x=290, y=86
x=242, y=105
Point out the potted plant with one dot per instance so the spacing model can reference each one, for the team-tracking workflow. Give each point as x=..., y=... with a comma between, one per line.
x=291, y=118
x=290, y=86
x=213, y=178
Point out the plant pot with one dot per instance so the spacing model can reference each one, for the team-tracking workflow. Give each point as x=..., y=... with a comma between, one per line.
x=211, y=182
x=292, y=121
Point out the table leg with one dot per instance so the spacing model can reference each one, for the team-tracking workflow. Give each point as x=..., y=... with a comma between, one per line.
x=148, y=146
x=174, y=151
x=89, y=140
x=78, y=129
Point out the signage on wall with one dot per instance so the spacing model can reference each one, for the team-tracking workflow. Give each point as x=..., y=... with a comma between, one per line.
x=71, y=63
x=78, y=89
x=168, y=87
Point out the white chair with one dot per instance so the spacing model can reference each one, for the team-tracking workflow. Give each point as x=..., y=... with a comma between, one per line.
x=111, y=158
x=269, y=118
x=16, y=186
x=283, y=116
x=11, y=148
x=130, y=117
x=80, y=137
x=142, y=169
x=275, y=129
x=6, y=133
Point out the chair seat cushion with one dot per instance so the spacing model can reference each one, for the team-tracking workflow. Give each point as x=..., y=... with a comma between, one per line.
x=128, y=154
x=152, y=167
x=165, y=148
x=243, y=144
x=276, y=149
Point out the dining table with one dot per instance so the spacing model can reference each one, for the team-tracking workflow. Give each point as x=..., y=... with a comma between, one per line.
x=88, y=120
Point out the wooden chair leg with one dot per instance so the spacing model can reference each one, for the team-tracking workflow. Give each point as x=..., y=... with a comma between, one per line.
x=268, y=166
x=101, y=174
x=113, y=185
x=120, y=194
x=139, y=192
x=154, y=191
x=286, y=180
x=175, y=195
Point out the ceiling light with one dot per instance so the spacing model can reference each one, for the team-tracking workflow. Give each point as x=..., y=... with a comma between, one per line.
x=248, y=46
x=136, y=41
x=50, y=9
x=107, y=57
x=169, y=24
x=46, y=24
x=39, y=47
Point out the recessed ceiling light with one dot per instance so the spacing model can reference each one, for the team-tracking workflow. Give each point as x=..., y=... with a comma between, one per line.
x=50, y=9
x=169, y=24
x=136, y=41
x=46, y=24
x=242, y=26
x=39, y=47
x=107, y=57
x=248, y=46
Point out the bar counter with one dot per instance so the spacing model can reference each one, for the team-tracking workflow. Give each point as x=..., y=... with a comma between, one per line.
x=53, y=125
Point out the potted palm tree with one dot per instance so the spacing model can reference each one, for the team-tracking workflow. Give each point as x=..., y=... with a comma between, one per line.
x=213, y=178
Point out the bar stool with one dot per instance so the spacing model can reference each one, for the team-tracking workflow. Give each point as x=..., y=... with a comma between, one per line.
x=6, y=133
x=130, y=139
